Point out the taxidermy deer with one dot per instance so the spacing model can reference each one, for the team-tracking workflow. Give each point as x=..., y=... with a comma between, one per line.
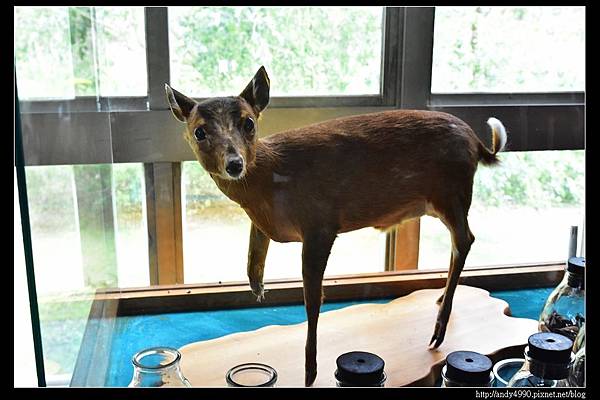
x=310, y=184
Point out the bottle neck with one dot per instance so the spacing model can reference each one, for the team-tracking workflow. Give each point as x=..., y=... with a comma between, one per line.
x=549, y=371
x=576, y=281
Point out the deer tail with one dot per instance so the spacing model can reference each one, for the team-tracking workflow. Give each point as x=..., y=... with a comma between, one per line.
x=499, y=138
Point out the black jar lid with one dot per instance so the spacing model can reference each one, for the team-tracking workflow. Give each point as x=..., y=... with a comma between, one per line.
x=468, y=367
x=550, y=348
x=576, y=265
x=359, y=368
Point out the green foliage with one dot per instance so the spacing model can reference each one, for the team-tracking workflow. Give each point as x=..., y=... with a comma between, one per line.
x=128, y=183
x=532, y=179
x=483, y=49
x=80, y=23
x=50, y=195
x=312, y=50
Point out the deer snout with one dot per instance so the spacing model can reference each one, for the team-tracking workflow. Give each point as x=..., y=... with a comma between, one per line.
x=234, y=165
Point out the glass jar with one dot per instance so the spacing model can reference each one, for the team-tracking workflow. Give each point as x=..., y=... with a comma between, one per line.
x=251, y=375
x=467, y=369
x=506, y=369
x=564, y=311
x=548, y=361
x=577, y=374
x=156, y=367
x=359, y=369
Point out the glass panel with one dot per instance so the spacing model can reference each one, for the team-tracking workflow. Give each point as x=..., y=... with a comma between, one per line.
x=25, y=374
x=89, y=231
x=47, y=45
x=306, y=50
x=63, y=52
x=216, y=235
x=508, y=49
x=522, y=211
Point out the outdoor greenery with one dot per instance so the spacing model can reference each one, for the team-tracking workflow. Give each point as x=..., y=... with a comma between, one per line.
x=482, y=49
x=306, y=50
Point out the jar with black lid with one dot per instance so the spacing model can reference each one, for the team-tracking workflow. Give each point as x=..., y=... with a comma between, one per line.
x=360, y=369
x=563, y=311
x=467, y=369
x=548, y=361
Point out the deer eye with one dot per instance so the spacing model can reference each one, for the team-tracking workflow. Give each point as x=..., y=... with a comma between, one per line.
x=200, y=134
x=248, y=125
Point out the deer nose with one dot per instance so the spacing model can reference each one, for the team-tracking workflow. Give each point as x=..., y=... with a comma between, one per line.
x=234, y=166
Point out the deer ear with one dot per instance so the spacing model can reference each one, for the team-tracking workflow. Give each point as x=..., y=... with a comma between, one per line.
x=181, y=105
x=257, y=91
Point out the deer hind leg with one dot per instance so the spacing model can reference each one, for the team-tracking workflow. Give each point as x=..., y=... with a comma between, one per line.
x=455, y=219
x=315, y=253
x=441, y=298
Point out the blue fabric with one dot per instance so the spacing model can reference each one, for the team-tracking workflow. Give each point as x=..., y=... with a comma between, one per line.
x=133, y=334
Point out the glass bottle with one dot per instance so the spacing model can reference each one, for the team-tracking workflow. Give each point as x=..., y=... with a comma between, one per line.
x=359, y=369
x=251, y=375
x=577, y=374
x=156, y=367
x=467, y=369
x=548, y=362
x=564, y=311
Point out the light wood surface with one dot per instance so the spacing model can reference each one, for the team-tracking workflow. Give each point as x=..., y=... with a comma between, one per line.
x=398, y=331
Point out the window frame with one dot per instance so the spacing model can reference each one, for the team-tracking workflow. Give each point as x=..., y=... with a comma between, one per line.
x=407, y=53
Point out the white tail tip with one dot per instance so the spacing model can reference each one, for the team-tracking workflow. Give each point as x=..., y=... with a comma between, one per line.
x=498, y=129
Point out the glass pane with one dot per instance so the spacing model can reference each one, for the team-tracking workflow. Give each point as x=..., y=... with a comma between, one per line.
x=216, y=236
x=306, y=50
x=88, y=231
x=63, y=52
x=25, y=369
x=121, y=51
x=46, y=43
x=522, y=211
x=508, y=49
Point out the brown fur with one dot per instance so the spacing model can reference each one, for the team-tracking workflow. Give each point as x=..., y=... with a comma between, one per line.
x=349, y=173
x=312, y=183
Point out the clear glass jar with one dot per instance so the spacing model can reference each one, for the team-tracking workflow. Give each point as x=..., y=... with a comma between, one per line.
x=577, y=374
x=156, y=367
x=467, y=369
x=251, y=375
x=506, y=369
x=548, y=362
x=564, y=311
x=360, y=369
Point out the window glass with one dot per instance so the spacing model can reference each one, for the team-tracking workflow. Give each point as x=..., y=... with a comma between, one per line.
x=306, y=50
x=89, y=231
x=508, y=49
x=24, y=361
x=64, y=52
x=216, y=235
x=522, y=211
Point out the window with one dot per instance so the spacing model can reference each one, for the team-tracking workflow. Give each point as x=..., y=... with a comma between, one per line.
x=64, y=52
x=307, y=50
x=508, y=49
x=88, y=231
x=522, y=211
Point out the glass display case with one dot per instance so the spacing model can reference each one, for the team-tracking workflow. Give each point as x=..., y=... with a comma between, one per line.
x=124, y=241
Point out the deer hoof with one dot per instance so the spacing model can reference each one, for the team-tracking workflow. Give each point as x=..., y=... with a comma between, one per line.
x=438, y=335
x=310, y=376
x=258, y=289
x=439, y=300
